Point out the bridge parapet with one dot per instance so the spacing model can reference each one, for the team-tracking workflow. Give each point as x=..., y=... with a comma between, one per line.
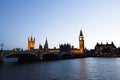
x=44, y=53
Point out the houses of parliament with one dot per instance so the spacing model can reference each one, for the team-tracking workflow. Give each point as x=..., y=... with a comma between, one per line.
x=62, y=48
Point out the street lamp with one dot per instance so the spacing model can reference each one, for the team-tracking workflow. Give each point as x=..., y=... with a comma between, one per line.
x=1, y=45
x=1, y=60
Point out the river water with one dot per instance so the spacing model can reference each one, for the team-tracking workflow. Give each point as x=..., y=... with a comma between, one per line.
x=72, y=69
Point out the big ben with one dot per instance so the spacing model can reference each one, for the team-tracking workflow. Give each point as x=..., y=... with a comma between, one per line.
x=81, y=43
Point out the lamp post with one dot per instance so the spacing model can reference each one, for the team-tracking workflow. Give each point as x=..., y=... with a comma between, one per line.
x=1, y=45
x=1, y=60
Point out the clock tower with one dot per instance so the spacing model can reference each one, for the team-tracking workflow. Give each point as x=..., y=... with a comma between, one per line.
x=81, y=43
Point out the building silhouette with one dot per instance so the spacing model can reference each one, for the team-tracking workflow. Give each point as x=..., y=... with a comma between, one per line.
x=65, y=48
x=105, y=49
x=62, y=48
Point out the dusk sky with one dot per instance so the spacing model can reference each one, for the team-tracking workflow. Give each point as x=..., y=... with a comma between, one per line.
x=60, y=21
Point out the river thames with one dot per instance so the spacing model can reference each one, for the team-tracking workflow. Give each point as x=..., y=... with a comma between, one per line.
x=71, y=69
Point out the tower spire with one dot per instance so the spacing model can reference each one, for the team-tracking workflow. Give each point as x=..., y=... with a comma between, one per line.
x=31, y=38
x=81, y=35
x=46, y=45
x=46, y=41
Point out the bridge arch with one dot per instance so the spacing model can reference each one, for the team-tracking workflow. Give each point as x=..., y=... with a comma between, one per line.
x=50, y=56
x=77, y=55
x=66, y=55
x=23, y=57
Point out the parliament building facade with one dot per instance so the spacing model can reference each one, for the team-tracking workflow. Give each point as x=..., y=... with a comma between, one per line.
x=62, y=48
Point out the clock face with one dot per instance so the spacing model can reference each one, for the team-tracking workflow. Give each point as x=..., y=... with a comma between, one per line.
x=81, y=36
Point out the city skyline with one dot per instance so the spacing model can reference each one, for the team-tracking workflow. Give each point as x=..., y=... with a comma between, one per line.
x=59, y=21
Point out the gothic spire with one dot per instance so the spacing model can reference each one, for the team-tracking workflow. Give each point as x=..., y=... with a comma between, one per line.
x=46, y=41
x=46, y=44
x=81, y=34
x=31, y=38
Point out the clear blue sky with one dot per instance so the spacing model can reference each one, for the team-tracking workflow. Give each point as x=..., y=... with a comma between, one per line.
x=59, y=21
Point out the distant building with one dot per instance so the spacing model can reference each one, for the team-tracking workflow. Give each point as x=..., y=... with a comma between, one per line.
x=65, y=48
x=17, y=49
x=105, y=49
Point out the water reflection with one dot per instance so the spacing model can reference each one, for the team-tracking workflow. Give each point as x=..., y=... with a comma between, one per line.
x=74, y=69
x=10, y=60
x=83, y=72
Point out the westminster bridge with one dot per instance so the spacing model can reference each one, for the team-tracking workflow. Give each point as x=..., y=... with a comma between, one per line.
x=26, y=56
